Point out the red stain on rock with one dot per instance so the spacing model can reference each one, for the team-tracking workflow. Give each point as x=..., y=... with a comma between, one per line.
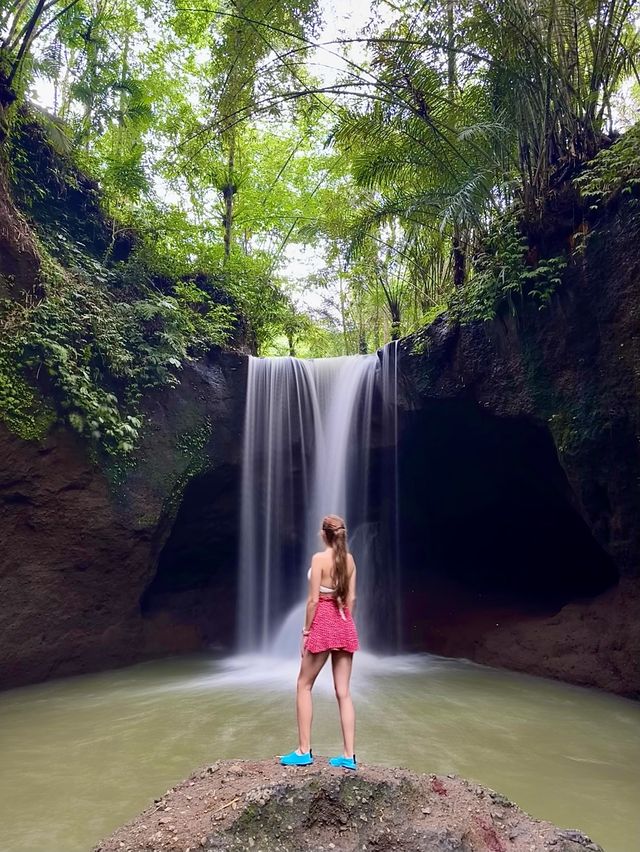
x=438, y=787
x=489, y=835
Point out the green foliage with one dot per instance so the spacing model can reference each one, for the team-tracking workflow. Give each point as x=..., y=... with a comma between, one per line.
x=554, y=67
x=614, y=170
x=192, y=442
x=100, y=351
x=500, y=274
x=477, y=110
x=22, y=407
x=212, y=147
x=51, y=189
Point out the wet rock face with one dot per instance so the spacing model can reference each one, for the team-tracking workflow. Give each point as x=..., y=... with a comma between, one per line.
x=81, y=541
x=524, y=434
x=261, y=806
x=196, y=579
x=571, y=367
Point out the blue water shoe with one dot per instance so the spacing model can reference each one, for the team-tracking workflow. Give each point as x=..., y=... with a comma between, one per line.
x=295, y=759
x=344, y=762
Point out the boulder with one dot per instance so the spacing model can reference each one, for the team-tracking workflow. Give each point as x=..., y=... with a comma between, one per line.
x=242, y=805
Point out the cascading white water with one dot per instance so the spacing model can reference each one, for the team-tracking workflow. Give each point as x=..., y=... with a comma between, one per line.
x=307, y=453
x=390, y=432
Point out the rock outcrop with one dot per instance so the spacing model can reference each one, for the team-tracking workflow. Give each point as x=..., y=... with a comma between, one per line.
x=81, y=539
x=570, y=373
x=261, y=806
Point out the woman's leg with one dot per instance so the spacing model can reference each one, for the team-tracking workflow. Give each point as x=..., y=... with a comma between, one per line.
x=310, y=668
x=341, y=662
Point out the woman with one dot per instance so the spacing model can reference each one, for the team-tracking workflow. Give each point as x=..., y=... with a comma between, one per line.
x=328, y=629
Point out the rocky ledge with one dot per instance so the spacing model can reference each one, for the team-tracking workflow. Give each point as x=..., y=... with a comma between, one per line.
x=261, y=806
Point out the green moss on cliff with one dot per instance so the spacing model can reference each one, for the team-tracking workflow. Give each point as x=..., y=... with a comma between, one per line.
x=23, y=409
x=512, y=262
x=504, y=275
x=191, y=444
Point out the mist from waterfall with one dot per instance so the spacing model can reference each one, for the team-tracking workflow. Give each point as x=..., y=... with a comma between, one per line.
x=308, y=451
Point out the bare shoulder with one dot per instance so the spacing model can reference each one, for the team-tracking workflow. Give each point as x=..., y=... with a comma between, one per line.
x=317, y=559
x=351, y=563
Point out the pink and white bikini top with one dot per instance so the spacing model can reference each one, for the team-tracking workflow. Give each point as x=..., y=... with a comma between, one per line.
x=324, y=590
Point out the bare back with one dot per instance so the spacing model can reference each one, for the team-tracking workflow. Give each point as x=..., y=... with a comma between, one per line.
x=325, y=561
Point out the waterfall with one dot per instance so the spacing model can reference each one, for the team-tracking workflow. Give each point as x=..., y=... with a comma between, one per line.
x=307, y=452
x=391, y=475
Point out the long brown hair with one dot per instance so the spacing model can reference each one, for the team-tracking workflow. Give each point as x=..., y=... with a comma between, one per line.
x=335, y=533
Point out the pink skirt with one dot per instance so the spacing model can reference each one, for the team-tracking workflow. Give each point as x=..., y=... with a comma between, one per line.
x=330, y=630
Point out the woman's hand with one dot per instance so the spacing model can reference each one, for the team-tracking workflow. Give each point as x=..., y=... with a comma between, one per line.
x=303, y=642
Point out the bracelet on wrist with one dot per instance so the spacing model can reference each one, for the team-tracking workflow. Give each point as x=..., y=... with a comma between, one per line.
x=306, y=632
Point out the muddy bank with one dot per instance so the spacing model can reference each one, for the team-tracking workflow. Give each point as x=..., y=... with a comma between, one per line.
x=262, y=806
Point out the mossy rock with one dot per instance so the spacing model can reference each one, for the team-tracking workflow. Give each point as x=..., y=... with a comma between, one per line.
x=23, y=409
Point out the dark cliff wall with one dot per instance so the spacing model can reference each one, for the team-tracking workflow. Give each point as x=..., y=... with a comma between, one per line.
x=81, y=540
x=572, y=371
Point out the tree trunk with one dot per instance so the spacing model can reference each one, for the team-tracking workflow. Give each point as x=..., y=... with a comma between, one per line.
x=451, y=50
x=26, y=41
x=228, y=191
x=394, y=309
x=92, y=65
x=459, y=259
x=343, y=316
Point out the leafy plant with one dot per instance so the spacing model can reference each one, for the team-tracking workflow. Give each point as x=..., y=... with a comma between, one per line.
x=100, y=352
x=614, y=170
x=22, y=407
x=500, y=273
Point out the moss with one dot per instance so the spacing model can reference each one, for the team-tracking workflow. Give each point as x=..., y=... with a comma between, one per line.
x=576, y=425
x=23, y=409
x=421, y=342
x=117, y=467
x=539, y=380
x=287, y=812
x=174, y=499
x=191, y=442
x=563, y=426
x=572, y=421
x=353, y=791
x=49, y=186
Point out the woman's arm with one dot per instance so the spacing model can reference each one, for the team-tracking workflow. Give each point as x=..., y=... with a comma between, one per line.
x=314, y=592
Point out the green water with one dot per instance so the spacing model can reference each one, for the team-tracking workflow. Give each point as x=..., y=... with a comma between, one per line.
x=80, y=756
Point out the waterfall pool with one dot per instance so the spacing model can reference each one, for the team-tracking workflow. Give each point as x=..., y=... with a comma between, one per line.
x=83, y=755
